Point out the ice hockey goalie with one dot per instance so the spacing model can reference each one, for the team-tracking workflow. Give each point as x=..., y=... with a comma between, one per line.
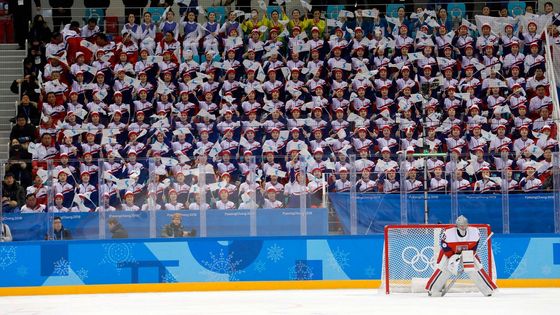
x=458, y=248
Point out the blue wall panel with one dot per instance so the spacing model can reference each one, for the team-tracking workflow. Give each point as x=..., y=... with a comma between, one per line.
x=521, y=256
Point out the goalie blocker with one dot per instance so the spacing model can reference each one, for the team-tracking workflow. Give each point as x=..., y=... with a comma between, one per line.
x=458, y=248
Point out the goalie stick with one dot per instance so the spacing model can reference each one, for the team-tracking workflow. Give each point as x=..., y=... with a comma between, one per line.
x=447, y=288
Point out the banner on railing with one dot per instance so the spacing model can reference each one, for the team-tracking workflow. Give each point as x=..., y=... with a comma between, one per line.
x=85, y=226
x=529, y=213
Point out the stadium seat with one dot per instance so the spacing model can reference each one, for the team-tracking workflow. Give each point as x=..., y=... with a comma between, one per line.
x=516, y=8
x=117, y=38
x=203, y=58
x=159, y=36
x=274, y=8
x=220, y=13
x=332, y=11
x=392, y=9
x=457, y=10
x=112, y=25
x=95, y=13
x=156, y=13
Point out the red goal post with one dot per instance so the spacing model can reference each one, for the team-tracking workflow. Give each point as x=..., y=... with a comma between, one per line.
x=410, y=255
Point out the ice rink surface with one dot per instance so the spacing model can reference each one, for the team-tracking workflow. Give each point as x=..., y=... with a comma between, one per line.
x=314, y=302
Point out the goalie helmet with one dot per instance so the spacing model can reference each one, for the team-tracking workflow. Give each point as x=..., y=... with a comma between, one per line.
x=462, y=223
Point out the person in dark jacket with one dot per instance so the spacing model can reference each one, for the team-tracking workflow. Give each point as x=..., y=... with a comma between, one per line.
x=21, y=15
x=27, y=108
x=59, y=232
x=13, y=195
x=176, y=228
x=34, y=62
x=61, y=13
x=19, y=164
x=28, y=87
x=23, y=131
x=116, y=229
x=40, y=30
x=18, y=152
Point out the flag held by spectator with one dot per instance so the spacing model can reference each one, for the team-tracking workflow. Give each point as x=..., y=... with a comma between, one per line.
x=305, y=4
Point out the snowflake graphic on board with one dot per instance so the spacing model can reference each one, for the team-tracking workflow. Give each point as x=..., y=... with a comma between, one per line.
x=496, y=247
x=260, y=266
x=8, y=256
x=339, y=258
x=61, y=267
x=22, y=271
x=275, y=253
x=117, y=253
x=300, y=271
x=546, y=269
x=370, y=272
x=82, y=273
x=515, y=263
x=222, y=267
x=214, y=276
x=168, y=278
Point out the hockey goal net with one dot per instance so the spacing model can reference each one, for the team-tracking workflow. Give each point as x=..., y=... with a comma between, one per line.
x=410, y=255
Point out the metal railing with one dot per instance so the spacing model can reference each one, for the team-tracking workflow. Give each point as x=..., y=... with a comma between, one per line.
x=455, y=10
x=552, y=73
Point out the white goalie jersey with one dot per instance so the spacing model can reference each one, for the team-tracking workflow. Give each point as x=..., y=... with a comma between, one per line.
x=454, y=243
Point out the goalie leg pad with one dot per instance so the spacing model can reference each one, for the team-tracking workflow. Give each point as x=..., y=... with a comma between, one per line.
x=438, y=280
x=477, y=274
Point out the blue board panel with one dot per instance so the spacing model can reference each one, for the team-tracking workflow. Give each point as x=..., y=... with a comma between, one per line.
x=48, y=263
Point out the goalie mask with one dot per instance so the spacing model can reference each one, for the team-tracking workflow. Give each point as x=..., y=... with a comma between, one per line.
x=462, y=224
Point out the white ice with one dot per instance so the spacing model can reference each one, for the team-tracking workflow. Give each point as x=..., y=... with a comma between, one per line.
x=315, y=302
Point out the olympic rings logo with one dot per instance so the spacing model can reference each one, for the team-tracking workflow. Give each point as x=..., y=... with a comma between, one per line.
x=419, y=259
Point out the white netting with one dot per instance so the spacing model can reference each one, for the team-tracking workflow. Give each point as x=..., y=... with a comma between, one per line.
x=410, y=254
